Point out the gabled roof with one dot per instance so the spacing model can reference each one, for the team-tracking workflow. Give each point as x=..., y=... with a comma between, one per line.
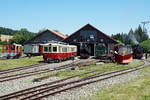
x=52, y=31
x=88, y=25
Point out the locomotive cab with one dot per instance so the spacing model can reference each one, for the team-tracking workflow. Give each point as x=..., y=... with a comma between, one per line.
x=137, y=51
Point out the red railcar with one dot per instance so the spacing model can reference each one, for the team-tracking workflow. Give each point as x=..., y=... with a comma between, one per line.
x=11, y=50
x=123, y=54
x=58, y=52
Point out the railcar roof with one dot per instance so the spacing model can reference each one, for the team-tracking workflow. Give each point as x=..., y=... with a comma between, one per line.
x=12, y=44
x=17, y=44
x=54, y=44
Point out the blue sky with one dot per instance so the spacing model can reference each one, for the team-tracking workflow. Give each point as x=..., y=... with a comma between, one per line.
x=67, y=16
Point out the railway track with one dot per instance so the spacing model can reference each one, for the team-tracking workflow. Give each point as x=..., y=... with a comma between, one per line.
x=58, y=86
x=21, y=68
x=20, y=94
x=79, y=83
x=30, y=73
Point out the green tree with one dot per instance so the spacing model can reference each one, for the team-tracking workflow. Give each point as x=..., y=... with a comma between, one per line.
x=7, y=31
x=123, y=37
x=140, y=34
x=117, y=37
x=144, y=35
x=22, y=36
x=131, y=38
x=145, y=45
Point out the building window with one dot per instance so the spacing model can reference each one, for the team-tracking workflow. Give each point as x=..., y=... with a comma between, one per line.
x=91, y=37
x=101, y=40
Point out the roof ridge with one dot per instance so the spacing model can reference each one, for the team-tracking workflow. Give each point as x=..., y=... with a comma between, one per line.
x=58, y=33
x=92, y=27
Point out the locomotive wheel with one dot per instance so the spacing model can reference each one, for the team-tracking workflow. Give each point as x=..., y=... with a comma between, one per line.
x=45, y=60
x=17, y=56
x=48, y=61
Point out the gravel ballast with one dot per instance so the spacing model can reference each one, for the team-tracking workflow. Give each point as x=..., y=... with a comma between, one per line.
x=74, y=94
x=26, y=82
x=88, y=90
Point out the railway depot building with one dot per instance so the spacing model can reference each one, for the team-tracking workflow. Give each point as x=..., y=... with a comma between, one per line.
x=46, y=36
x=32, y=47
x=92, y=40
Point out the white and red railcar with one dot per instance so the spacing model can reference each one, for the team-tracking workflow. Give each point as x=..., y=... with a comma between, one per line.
x=11, y=50
x=58, y=52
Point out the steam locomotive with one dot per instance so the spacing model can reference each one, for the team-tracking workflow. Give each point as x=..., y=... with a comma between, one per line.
x=84, y=54
x=138, y=51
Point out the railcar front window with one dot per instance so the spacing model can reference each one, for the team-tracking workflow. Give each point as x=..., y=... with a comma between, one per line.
x=54, y=49
x=5, y=48
x=12, y=47
x=45, y=49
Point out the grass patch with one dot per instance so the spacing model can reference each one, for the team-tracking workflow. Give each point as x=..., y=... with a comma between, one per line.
x=107, y=67
x=12, y=63
x=139, y=89
x=148, y=58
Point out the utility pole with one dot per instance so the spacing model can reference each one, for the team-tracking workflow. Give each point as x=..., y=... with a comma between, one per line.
x=144, y=23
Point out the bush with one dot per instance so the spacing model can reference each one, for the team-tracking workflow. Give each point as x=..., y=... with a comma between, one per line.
x=146, y=45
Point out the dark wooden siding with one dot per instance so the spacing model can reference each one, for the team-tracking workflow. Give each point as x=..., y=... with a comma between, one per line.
x=83, y=36
x=44, y=38
x=101, y=37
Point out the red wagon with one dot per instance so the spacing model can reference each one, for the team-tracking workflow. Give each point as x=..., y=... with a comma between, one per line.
x=11, y=50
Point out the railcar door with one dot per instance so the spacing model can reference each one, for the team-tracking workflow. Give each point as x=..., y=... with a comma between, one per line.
x=17, y=49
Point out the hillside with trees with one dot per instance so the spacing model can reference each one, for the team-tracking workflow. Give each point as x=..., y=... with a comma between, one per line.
x=19, y=36
x=7, y=31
